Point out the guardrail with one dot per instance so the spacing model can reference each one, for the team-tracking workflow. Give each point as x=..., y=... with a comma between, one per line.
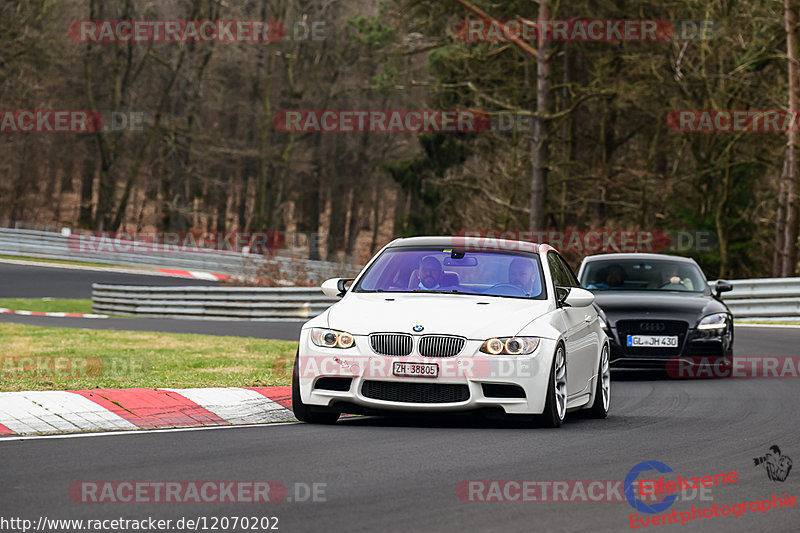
x=221, y=303
x=770, y=299
x=762, y=299
x=49, y=245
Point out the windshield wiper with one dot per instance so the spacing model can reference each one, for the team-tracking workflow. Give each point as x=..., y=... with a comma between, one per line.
x=452, y=291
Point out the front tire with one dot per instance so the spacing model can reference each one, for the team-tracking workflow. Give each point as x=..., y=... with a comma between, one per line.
x=602, y=390
x=303, y=412
x=555, y=407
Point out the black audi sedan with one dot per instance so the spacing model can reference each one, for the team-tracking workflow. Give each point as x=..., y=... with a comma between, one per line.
x=657, y=308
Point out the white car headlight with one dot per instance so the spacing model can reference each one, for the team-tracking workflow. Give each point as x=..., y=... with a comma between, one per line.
x=331, y=338
x=715, y=321
x=510, y=345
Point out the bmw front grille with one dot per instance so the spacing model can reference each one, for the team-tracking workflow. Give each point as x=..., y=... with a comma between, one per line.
x=400, y=344
x=440, y=345
x=396, y=344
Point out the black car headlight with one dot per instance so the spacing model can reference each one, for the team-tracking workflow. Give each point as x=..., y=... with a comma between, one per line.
x=510, y=345
x=715, y=322
x=331, y=338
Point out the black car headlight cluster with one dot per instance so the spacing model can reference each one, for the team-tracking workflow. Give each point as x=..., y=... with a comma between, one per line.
x=510, y=345
x=714, y=322
x=331, y=338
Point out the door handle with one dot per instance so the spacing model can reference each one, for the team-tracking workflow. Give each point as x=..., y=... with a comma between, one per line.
x=588, y=318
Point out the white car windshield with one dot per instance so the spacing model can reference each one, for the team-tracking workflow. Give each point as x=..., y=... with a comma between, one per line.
x=517, y=275
x=657, y=275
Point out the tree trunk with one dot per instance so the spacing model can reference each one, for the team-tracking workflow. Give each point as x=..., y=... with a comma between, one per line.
x=790, y=229
x=780, y=224
x=539, y=159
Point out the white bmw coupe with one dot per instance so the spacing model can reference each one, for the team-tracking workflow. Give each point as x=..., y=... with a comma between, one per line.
x=436, y=324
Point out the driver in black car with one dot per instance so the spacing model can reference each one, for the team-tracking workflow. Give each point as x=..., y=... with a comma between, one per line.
x=671, y=279
x=615, y=278
x=521, y=274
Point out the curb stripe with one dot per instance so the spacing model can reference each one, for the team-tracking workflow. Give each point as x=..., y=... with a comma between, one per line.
x=24, y=415
x=44, y=411
x=37, y=412
x=153, y=408
x=237, y=405
x=5, y=311
x=209, y=276
x=280, y=395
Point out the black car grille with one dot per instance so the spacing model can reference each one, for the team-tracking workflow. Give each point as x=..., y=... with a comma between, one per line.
x=651, y=327
x=396, y=344
x=440, y=345
x=707, y=349
x=392, y=391
x=495, y=390
x=335, y=384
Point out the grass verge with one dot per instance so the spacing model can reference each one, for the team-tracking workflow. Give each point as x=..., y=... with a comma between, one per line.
x=42, y=358
x=768, y=323
x=47, y=305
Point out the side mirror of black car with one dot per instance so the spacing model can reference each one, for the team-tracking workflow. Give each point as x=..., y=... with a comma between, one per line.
x=722, y=286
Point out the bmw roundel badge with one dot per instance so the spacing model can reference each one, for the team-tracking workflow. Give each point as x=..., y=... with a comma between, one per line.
x=418, y=328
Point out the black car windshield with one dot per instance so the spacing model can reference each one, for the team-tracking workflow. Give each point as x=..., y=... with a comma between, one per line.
x=641, y=275
x=428, y=269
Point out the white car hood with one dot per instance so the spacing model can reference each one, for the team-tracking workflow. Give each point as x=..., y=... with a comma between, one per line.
x=473, y=317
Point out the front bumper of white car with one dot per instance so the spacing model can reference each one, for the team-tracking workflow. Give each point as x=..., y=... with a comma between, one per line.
x=359, y=379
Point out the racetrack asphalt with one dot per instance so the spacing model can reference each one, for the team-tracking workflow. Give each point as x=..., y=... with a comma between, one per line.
x=34, y=281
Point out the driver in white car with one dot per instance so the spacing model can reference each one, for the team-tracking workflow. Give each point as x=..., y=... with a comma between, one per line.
x=521, y=273
x=430, y=273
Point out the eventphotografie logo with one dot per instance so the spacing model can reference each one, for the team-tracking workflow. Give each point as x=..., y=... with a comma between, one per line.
x=777, y=465
x=667, y=490
x=631, y=482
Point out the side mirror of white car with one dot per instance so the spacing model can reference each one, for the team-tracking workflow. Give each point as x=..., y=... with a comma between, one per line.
x=335, y=287
x=579, y=297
